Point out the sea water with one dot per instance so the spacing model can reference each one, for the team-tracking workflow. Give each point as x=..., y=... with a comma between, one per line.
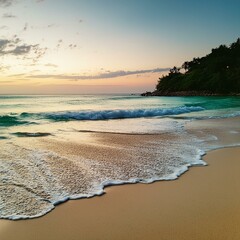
x=55, y=148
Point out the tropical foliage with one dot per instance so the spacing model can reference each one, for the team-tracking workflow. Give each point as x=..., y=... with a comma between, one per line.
x=218, y=72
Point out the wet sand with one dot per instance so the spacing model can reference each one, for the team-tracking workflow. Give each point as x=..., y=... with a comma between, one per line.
x=204, y=203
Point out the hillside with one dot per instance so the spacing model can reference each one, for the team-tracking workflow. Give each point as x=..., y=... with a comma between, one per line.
x=218, y=73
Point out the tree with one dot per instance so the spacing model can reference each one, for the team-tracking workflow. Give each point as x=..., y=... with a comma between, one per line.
x=174, y=70
x=185, y=66
x=217, y=72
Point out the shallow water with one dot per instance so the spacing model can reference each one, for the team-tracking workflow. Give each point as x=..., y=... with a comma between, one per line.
x=55, y=148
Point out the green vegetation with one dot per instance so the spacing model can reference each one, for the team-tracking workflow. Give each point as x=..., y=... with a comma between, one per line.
x=216, y=73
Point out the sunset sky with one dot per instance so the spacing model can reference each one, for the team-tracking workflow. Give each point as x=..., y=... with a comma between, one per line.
x=105, y=46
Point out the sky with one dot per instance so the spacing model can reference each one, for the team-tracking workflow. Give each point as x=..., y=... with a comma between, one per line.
x=106, y=46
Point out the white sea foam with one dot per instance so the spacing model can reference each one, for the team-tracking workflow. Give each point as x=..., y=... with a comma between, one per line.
x=59, y=192
x=33, y=180
x=233, y=132
x=119, y=114
x=45, y=179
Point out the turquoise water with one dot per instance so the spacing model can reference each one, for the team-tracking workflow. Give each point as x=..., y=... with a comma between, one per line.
x=55, y=148
x=23, y=110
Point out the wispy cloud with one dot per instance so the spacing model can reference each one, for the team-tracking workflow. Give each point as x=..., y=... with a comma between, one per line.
x=51, y=65
x=4, y=68
x=3, y=44
x=11, y=47
x=21, y=50
x=72, y=46
x=25, y=27
x=8, y=15
x=59, y=43
x=16, y=47
x=3, y=27
x=6, y=3
x=52, y=25
x=105, y=75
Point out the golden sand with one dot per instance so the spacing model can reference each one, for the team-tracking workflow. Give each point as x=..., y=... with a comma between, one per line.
x=203, y=204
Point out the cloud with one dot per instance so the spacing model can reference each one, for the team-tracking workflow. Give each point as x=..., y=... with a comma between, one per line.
x=25, y=27
x=59, y=43
x=10, y=47
x=9, y=81
x=15, y=47
x=20, y=50
x=6, y=3
x=69, y=46
x=3, y=27
x=4, y=67
x=51, y=65
x=105, y=75
x=72, y=46
x=52, y=25
x=8, y=15
x=3, y=43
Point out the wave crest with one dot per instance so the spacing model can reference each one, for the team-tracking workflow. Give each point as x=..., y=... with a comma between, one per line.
x=120, y=114
x=8, y=121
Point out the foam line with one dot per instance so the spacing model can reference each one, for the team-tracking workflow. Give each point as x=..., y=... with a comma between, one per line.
x=120, y=114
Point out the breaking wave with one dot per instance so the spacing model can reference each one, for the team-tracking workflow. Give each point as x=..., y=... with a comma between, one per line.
x=120, y=114
x=8, y=121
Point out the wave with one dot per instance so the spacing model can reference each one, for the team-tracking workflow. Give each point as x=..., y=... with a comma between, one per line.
x=29, y=134
x=47, y=196
x=91, y=99
x=219, y=116
x=215, y=103
x=8, y=121
x=120, y=114
x=16, y=96
x=3, y=138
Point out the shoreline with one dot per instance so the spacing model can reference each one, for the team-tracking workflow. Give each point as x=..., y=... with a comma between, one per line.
x=120, y=151
x=118, y=196
x=187, y=94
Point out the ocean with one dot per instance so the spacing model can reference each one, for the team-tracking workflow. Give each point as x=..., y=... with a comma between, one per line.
x=56, y=148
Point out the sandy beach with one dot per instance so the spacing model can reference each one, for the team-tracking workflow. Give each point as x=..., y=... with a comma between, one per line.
x=115, y=124
x=204, y=203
